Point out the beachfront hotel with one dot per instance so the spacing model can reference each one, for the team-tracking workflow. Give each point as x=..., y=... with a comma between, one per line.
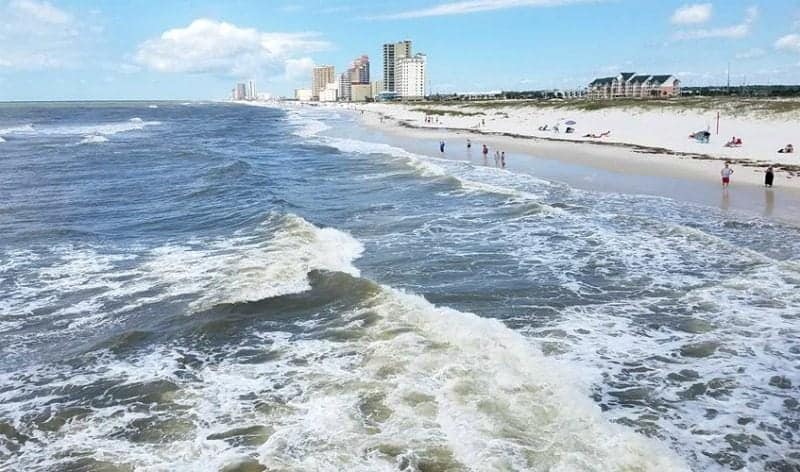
x=631, y=85
x=410, y=77
x=323, y=75
x=391, y=53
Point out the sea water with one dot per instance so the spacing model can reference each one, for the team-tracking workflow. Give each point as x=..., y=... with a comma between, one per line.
x=215, y=286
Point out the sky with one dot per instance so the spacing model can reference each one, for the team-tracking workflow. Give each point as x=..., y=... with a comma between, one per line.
x=179, y=49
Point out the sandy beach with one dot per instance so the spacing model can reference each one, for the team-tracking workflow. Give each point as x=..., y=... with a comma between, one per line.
x=642, y=142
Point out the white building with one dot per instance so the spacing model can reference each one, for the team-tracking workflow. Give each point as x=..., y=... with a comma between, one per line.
x=410, y=77
x=330, y=93
x=303, y=95
x=251, y=90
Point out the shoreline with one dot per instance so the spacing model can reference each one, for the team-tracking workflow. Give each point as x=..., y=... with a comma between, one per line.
x=609, y=167
x=597, y=166
x=606, y=154
x=659, y=134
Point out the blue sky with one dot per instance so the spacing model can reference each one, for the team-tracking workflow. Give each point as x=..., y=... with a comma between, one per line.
x=142, y=49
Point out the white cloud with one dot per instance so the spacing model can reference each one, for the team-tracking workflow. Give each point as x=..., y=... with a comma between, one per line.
x=753, y=53
x=209, y=46
x=739, y=30
x=790, y=42
x=298, y=68
x=42, y=11
x=38, y=35
x=474, y=6
x=692, y=14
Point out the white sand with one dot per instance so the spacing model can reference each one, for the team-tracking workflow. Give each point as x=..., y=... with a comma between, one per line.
x=665, y=133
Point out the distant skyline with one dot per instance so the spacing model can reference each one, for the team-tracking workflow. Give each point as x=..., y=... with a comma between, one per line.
x=83, y=50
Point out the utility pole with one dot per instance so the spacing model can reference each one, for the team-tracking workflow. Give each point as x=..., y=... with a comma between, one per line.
x=729, y=78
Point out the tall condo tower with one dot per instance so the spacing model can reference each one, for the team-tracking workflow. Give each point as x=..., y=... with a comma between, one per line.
x=391, y=53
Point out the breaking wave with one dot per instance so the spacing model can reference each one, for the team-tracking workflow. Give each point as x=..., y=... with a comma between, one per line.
x=370, y=378
x=94, y=139
x=104, y=129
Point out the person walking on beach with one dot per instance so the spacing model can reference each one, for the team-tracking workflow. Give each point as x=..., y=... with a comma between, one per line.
x=769, y=177
x=503, y=159
x=726, y=173
x=485, y=151
x=441, y=146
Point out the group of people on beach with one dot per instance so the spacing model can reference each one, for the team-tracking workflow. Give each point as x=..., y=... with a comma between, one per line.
x=499, y=156
x=727, y=172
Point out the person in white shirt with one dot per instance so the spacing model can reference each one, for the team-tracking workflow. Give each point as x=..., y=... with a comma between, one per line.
x=726, y=173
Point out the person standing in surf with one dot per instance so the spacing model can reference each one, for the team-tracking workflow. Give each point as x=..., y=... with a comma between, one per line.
x=769, y=177
x=441, y=146
x=726, y=173
x=469, y=144
x=503, y=159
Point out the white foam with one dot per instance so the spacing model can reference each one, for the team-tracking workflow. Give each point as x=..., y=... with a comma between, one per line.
x=152, y=106
x=26, y=128
x=2, y=140
x=421, y=380
x=456, y=382
x=94, y=139
x=105, y=129
x=308, y=126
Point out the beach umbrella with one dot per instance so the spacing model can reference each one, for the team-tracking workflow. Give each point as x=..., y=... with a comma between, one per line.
x=570, y=123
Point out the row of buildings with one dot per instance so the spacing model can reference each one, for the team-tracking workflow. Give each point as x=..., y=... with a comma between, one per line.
x=403, y=77
x=245, y=91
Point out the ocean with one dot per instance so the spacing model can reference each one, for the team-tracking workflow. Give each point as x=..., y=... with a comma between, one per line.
x=209, y=286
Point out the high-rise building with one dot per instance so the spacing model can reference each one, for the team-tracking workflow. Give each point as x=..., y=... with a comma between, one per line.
x=251, y=90
x=240, y=92
x=323, y=75
x=345, y=86
x=391, y=53
x=411, y=76
x=359, y=72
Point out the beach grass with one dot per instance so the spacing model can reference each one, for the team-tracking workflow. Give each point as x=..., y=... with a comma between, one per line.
x=443, y=112
x=731, y=106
